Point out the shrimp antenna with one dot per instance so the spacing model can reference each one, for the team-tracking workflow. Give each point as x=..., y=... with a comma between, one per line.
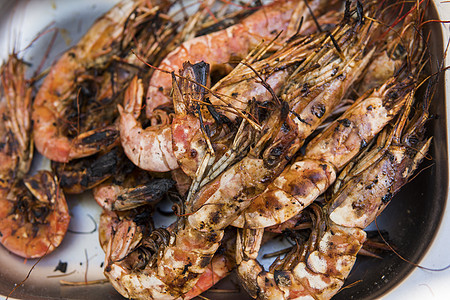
x=360, y=12
x=333, y=40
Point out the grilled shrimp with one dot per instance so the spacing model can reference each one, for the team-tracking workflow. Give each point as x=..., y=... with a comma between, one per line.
x=33, y=211
x=16, y=150
x=151, y=148
x=129, y=260
x=34, y=216
x=222, y=47
x=190, y=246
x=318, y=268
x=130, y=203
x=312, y=173
x=75, y=108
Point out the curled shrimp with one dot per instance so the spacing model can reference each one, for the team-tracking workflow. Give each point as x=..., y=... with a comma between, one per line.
x=34, y=216
x=75, y=108
x=317, y=269
x=129, y=257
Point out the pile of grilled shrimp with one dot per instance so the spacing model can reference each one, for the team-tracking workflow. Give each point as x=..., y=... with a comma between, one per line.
x=253, y=119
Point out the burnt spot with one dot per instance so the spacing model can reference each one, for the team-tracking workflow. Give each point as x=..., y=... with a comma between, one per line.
x=334, y=71
x=67, y=181
x=324, y=167
x=305, y=88
x=318, y=110
x=358, y=207
x=84, y=181
x=345, y=122
x=72, y=55
x=34, y=184
x=369, y=108
x=161, y=89
x=40, y=214
x=386, y=198
x=186, y=268
x=360, y=12
x=193, y=153
x=390, y=156
x=372, y=184
x=392, y=95
x=107, y=136
x=299, y=118
x=205, y=260
x=248, y=190
x=282, y=278
x=150, y=192
x=215, y=217
x=105, y=164
x=285, y=127
x=212, y=237
x=108, y=268
x=235, y=94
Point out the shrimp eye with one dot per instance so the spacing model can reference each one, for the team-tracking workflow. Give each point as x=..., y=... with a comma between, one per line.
x=399, y=52
x=274, y=154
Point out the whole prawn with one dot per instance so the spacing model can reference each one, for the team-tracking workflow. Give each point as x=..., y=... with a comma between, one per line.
x=318, y=268
x=129, y=255
x=16, y=149
x=34, y=216
x=64, y=124
x=189, y=248
x=152, y=148
x=312, y=173
x=280, y=17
